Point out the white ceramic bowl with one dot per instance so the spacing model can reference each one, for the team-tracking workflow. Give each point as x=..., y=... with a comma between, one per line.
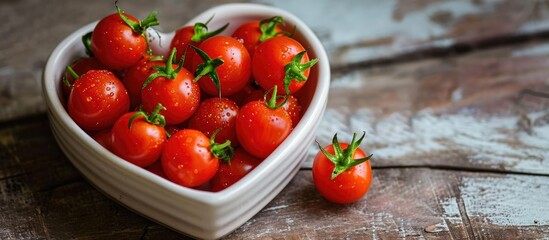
x=193, y=212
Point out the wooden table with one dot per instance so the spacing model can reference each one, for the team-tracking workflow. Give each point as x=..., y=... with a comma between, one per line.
x=461, y=150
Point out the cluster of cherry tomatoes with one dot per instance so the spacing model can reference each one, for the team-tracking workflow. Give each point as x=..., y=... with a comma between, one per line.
x=202, y=117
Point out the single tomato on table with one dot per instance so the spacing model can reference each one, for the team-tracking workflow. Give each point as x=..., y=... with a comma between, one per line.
x=342, y=171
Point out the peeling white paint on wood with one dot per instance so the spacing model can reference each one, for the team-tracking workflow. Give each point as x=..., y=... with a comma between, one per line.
x=538, y=50
x=490, y=141
x=506, y=201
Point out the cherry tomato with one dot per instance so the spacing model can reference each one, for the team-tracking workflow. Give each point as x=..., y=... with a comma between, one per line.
x=229, y=173
x=213, y=114
x=240, y=98
x=118, y=40
x=191, y=35
x=262, y=126
x=189, y=158
x=139, y=138
x=292, y=106
x=254, y=32
x=135, y=77
x=97, y=100
x=231, y=65
x=174, y=88
x=104, y=138
x=281, y=61
x=157, y=169
x=80, y=66
x=342, y=172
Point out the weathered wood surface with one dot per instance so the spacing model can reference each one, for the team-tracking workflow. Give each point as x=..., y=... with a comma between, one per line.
x=436, y=85
x=43, y=196
x=354, y=32
x=467, y=111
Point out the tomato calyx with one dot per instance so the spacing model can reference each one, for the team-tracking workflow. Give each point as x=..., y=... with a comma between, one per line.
x=86, y=40
x=73, y=74
x=140, y=26
x=154, y=118
x=201, y=31
x=268, y=27
x=167, y=71
x=343, y=159
x=294, y=70
x=272, y=102
x=208, y=67
x=223, y=151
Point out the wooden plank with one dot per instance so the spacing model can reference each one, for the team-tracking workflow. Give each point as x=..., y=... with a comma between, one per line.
x=353, y=32
x=43, y=196
x=465, y=111
x=411, y=203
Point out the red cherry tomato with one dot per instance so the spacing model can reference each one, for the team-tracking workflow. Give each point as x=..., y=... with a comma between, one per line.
x=191, y=35
x=233, y=74
x=104, y=138
x=80, y=66
x=353, y=172
x=292, y=106
x=270, y=64
x=187, y=158
x=139, y=138
x=260, y=127
x=213, y=114
x=117, y=43
x=157, y=169
x=241, y=164
x=97, y=100
x=254, y=32
x=180, y=95
x=135, y=77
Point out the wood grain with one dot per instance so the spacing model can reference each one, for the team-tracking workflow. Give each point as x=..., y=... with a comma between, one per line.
x=43, y=196
x=467, y=112
x=354, y=32
x=441, y=89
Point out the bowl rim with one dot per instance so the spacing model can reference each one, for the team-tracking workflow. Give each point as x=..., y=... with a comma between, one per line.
x=316, y=106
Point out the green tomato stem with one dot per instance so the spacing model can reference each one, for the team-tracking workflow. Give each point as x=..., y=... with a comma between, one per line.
x=343, y=159
x=154, y=118
x=86, y=40
x=222, y=151
x=268, y=27
x=167, y=71
x=201, y=31
x=294, y=70
x=208, y=67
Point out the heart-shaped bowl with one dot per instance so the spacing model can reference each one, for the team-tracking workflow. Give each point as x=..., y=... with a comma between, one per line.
x=192, y=212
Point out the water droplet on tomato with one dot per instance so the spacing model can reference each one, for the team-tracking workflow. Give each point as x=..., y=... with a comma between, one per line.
x=89, y=99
